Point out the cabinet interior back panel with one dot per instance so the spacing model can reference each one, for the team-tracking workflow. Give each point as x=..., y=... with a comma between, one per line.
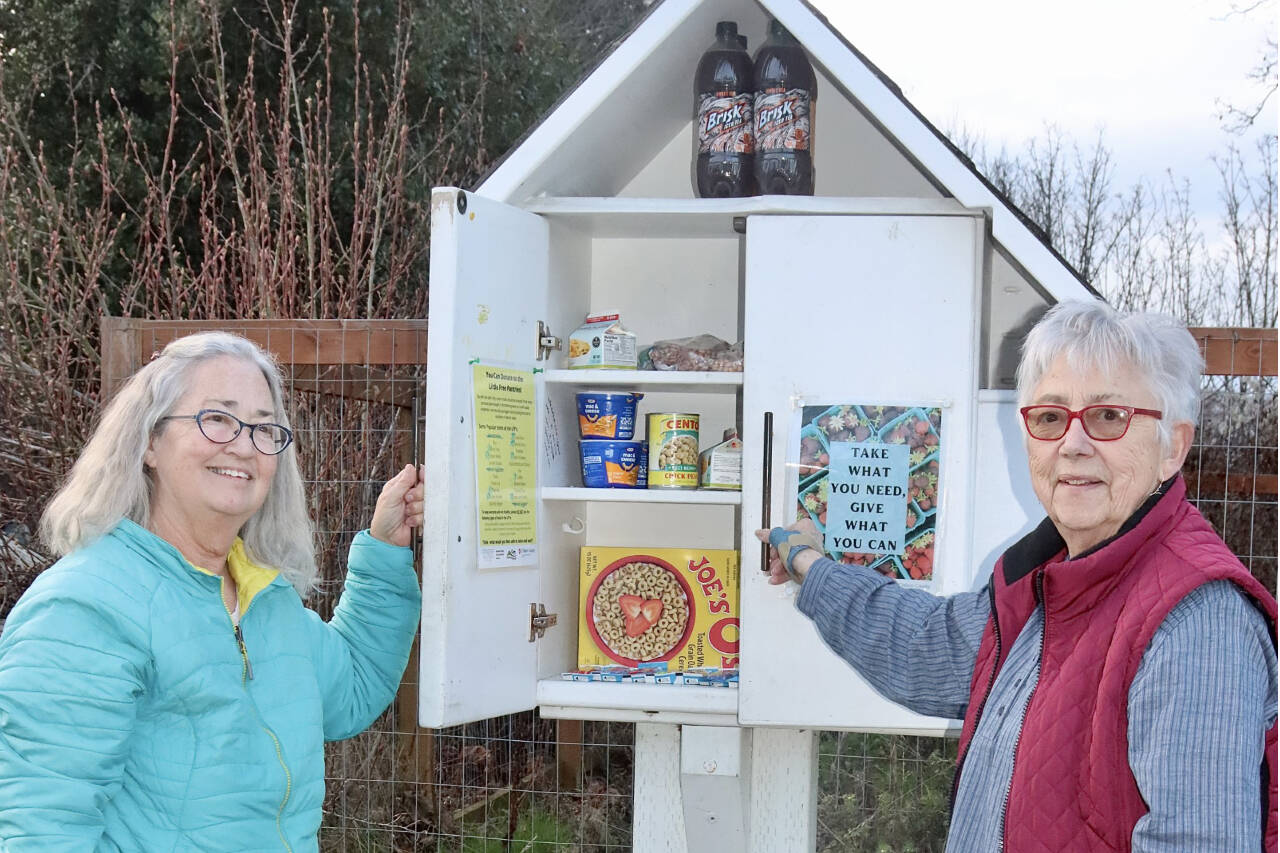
x=668, y=288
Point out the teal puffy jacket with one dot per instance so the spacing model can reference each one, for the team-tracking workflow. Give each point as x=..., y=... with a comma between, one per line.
x=132, y=720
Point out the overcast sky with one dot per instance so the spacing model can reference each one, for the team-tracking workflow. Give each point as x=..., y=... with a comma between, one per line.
x=1148, y=73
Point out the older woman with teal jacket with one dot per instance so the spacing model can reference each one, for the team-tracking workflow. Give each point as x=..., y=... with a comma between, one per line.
x=162, y=686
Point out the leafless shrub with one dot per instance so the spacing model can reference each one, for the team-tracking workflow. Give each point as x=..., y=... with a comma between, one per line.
x=1143, y=249
x=258, y=193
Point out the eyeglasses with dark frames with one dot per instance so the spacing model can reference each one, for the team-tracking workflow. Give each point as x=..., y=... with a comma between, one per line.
x=223, y=427
x=1104, y=422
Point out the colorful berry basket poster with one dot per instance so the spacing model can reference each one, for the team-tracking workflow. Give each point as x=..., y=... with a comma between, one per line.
x=868, y=478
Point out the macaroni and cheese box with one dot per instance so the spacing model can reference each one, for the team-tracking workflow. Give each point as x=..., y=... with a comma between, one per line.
x=602, y=342
x=639, y=605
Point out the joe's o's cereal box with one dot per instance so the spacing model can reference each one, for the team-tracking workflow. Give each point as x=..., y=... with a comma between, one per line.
x=678, y=605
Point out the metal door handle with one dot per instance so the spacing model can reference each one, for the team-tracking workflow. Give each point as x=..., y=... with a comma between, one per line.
x=766, y=488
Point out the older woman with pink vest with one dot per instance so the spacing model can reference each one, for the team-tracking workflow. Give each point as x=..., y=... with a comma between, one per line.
x=1117, y=673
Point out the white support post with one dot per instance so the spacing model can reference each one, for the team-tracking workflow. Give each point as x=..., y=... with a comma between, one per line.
x=784, y=791
x=657, y=819
x=724, y=789
x=714, y=775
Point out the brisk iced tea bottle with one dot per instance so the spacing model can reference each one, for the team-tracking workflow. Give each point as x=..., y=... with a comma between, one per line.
x=725, y=145
x=785, y=94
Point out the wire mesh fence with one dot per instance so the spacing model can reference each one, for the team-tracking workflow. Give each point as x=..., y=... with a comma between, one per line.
x=883, y=793
x=494, y=785
x=523, y=783
x=1231, y=471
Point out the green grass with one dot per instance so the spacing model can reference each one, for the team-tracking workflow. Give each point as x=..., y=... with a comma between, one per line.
x=537, y=831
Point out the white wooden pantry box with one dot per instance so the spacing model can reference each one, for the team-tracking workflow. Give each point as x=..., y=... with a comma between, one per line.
x=905, y=281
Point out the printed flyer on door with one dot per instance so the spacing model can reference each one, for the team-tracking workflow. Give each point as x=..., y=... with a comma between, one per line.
x=504, y=407
x=868, y=478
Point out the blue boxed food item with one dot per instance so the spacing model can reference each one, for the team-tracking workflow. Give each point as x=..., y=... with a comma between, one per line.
x=610, y=464
x=642, y=469
x=607, y=414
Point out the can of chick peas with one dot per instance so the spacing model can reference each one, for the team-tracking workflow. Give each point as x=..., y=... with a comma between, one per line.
x=673, y=450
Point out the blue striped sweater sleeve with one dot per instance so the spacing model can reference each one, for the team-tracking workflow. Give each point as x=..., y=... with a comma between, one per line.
x=1198, y=707
x=860, y=613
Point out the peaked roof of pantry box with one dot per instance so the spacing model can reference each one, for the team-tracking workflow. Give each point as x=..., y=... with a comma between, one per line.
x=585, y=144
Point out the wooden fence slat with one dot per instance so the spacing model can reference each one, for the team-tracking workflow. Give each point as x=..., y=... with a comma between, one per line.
x=310, y=342
x=1210, y=483
x=1237, y=351
x=352, y=382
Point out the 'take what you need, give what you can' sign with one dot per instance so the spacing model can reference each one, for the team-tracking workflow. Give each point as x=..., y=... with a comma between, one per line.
x=869, y=481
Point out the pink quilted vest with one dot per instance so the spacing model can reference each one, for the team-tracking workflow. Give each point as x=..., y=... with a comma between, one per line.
x=1072, y=787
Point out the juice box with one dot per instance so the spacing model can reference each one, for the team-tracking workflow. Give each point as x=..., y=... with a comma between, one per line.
x=678, y=605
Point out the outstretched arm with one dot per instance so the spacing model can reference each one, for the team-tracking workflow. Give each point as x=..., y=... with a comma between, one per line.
x=861, y=614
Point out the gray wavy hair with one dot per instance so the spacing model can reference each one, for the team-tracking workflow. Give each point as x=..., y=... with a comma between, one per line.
x=1093, y=335
x=109, y=481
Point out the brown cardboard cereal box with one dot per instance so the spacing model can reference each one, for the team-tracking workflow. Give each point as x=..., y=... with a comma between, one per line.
x=678, y=605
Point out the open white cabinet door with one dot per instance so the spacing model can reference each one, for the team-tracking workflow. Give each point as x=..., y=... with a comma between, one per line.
x=488, y=283
x=874, y=315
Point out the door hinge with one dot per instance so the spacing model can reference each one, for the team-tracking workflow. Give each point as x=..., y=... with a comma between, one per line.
x=539, y=621
x=546, y=341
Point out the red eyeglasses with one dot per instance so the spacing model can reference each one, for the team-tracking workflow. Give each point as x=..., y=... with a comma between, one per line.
x=1101, y=423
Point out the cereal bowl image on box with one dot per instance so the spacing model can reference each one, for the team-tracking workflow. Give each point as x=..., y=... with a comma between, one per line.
x=638, y=610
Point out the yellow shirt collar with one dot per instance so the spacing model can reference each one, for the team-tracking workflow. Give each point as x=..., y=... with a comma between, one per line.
x=250, y=578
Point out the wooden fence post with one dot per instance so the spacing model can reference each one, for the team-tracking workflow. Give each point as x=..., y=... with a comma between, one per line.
x=121, y=352
x=417, y=745
x=569, y=754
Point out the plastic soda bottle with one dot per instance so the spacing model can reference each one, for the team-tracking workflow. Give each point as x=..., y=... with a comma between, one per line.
x=725, y=144
x=786, y=92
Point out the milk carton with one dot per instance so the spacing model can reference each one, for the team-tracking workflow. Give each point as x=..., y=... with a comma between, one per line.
x=602, y=342
x=720, y=466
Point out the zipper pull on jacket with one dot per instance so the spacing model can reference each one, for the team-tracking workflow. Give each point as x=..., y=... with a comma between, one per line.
x=244, y=652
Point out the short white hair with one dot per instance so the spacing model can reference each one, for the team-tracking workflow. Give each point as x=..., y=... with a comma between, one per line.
x=109, y=481
x=1093, y=335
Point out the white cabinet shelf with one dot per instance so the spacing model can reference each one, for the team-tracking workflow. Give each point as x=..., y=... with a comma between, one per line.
x=660, y=380
x=714, y=217
x=650, y=496
x=637, y=703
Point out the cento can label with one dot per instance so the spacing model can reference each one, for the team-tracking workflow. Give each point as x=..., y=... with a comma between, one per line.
x=673, y=450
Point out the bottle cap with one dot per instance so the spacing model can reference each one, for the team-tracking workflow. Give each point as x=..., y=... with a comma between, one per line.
x=727, y=30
